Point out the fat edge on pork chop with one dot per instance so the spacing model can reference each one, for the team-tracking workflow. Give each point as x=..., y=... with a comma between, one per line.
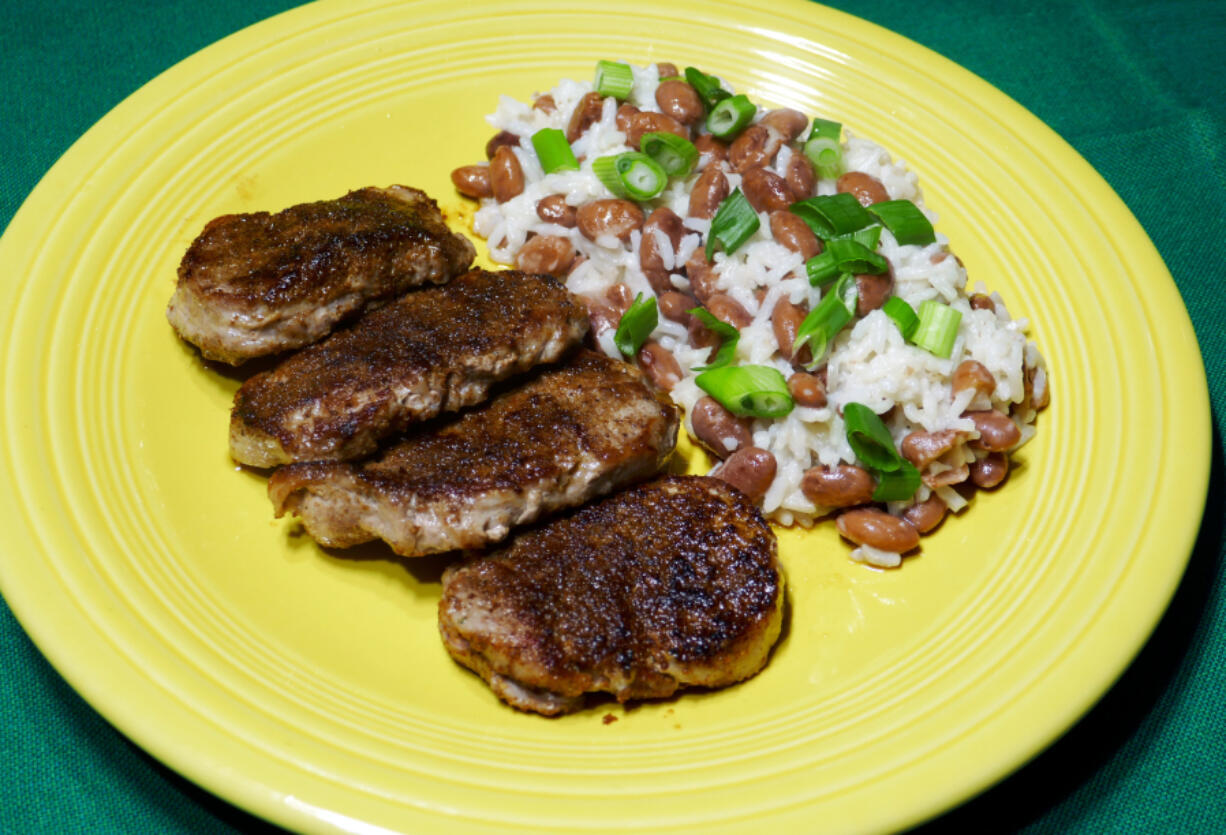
x=432, y=350
x=565, y=435
x=255, y=284
x=668, y=584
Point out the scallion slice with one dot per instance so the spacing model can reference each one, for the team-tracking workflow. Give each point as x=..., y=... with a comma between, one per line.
x=675, y=154
x=937, y=329
x=636, y=324
x=832, y=215
x=728, y=335
x=707, y=87
x=748, y=390
x=868, y=237
x=905, y=221
x=823, y=148
x=843, y=255
x=554, y=151
x=869, y=438
x=898, y=485
x=730, y=116
x=902, y=314
x=824, y=321
x=632, y=174
x=614, y=79
x=734, y=222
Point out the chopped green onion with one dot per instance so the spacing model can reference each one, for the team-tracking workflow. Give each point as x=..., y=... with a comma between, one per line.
x=870, y=439
x=729, y=336
x=636, y=324
x=823, y=148
x=554, y=151
x=898, y=485
x=675, y=154
x=734, y=222
x=843, y=255
x=897, y=478
x=825, y=129
x=632, y=174
x=832, y=215
x=905, y=221
x=902, y=314
x=748, y=390
x=730, y=116
x=707, y=87
x=614, y=79
x=938, y=328
x=824, y=321
x=868, y=237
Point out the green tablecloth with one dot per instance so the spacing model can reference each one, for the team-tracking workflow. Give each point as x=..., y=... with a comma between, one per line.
x=1136, y=86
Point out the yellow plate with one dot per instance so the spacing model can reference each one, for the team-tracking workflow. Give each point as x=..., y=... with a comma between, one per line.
x=312, y=688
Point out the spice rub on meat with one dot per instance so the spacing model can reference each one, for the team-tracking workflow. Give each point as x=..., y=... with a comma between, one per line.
x=432, y=350
x=257, y=284
x=564, y=436
x=665, y=585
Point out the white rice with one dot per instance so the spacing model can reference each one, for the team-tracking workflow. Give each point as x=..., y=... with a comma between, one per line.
x=869, y=362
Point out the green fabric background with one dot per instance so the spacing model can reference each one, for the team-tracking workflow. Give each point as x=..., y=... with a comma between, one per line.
x=1136, y=86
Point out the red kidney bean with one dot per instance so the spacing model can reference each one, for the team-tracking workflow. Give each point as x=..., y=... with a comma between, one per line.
x=680, y=101
x=788, y=122
x=659, y=364
x=793, y=233
x=997, y=432
x=878, y=529
x=718, y=429
x=922, y=448
x=622, y=118
x=926, y=515
x=785, y=322
x=601, y=316
x=807, y=390
x=609, y=217
x=754, y=148
x=872, y=292
x=710, y=150
x=545, y=104
x=550, y=254
x=800, y=176
x=708, y=192
x=674, y=306
x=766, y=191
x=844, y=485
x=979, y=301
x=620, y=298
x=506, y=175
x=498, y=140
x=666, y=69
x=973, y=375
x=472, y=181
x=990, y=471
x=946, y=478
x=586, y=113
x=554, y=209
x=729, y=310
x=864, y=187
x=646, y=121
x=650, y=259
x=701, y=275
x=750, y=470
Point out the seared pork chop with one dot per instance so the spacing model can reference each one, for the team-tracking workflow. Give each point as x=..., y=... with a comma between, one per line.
x=665, y=585
x=256, y=284
x=432, y=350
x=567, y=434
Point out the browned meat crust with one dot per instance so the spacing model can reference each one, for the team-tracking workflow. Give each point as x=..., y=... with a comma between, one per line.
x=671, y=583
x=567, y=434
x=256, y=284
x=432, y=350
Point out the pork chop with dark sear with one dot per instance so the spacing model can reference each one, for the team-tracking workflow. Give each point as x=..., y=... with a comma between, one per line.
x=433, y=350
x=669, y=584
x=257, y=284
x=567, y=434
